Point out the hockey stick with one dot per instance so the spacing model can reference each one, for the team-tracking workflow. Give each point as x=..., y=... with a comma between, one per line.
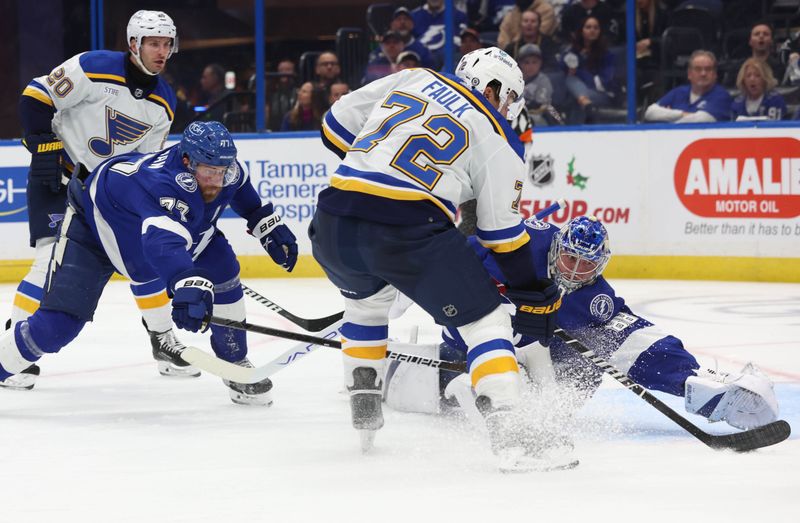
x=230, y=371
x=308, y=324
x=744, y=441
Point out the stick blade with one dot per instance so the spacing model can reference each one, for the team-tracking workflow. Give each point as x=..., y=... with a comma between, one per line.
x=318, y=324
x=208, y=362
x=749, y=440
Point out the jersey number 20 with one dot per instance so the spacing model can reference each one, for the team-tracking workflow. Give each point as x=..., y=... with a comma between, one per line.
x=418, y=146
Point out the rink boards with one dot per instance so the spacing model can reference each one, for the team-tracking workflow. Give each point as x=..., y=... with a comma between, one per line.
x=693, y=202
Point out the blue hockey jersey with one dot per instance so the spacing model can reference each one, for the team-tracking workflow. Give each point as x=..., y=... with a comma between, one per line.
x=149, y=214
x=716, y=102
x=772, y=105
x=602, y=321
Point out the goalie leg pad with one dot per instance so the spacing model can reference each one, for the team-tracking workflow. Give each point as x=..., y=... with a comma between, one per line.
x=409, y=387
x=744, y=400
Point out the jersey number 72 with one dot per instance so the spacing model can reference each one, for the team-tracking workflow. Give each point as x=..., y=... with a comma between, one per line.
x=418, y=146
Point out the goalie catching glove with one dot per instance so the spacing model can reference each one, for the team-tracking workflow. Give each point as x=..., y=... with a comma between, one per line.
x=276, y=238
x=536, y=310
x=192, y=300
x=46, y=159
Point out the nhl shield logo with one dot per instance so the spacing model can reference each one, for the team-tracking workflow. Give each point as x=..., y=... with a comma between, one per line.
x=450, y=310
x=137, y=93
x=540, y=169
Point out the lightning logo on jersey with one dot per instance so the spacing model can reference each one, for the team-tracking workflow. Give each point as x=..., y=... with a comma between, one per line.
x=121, y=129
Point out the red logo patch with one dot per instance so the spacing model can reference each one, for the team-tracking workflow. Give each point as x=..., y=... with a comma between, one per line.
x=740, y=177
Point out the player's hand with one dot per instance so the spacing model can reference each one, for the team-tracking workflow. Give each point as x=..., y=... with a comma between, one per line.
x=536, y=310
x=192, y=300
x=276, y=238
x=46, y=159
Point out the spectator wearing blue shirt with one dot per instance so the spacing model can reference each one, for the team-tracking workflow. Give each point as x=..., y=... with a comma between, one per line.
x=429, y=27
x=757, y=99
x=703, y=100
x=403, y=23
x=589, y=69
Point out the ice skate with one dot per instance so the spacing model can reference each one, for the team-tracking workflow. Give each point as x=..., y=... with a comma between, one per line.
x=256, y=394
x=518, y=446
x=365, y=405
x=25, y=380
x=167, y=353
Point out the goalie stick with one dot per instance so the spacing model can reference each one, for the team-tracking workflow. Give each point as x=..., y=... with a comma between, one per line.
x=308, y=324
x=744, y=441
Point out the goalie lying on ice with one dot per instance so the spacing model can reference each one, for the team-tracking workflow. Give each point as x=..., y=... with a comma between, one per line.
x=593, y=313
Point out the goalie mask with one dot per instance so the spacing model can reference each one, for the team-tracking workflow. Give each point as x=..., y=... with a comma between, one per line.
x=477, y=69
x=579, y=253
x=150, y=23
x=210, y=143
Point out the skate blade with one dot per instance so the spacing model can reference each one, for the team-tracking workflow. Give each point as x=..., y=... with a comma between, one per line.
x=260, y=400
x=367, y=440
x=19, y=382
x=173, y=371
x=515, y=461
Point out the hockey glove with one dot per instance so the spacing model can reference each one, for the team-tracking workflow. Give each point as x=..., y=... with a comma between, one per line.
x=46, y=159
x=192, y=300
x=536, y=310
x=276, y=238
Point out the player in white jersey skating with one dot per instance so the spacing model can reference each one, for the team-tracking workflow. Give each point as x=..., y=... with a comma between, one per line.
x=94, y=106
x=414, y=146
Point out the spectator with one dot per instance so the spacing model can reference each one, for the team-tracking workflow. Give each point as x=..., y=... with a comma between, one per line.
x=510, y=26
x=703, y=100
x=429, y=27
x=538, y=91
x=650, y=21
x=282, y=94
x=407, y=60
x=403, y=23
x=212, y=84
x=762, y=45
x=789, y=52
x=590, y=69
x=573, y=15
x=338, y=90
x=306, y=115
x=758, y=98
x=530, y=23
x=470, y=41
x=327, y=70
x=383, y=64
x=492, y=12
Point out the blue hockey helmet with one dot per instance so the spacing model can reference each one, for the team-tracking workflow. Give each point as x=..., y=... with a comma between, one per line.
x=210, y=143
x=579, y=252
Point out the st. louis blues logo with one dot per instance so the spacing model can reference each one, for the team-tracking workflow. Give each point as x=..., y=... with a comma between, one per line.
x=55, y=219
x=121, y=129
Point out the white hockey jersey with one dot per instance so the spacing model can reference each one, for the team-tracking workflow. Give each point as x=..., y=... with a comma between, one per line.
x=417, y=141
x=97, y=116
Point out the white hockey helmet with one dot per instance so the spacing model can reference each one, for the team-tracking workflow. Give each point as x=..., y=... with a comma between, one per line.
x=480, y=67
x=151, y=23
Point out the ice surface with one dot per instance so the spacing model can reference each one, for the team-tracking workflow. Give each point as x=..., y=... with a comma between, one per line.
x=103, y=437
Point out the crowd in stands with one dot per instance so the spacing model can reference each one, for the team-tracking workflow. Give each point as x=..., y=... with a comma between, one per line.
x=696, y=61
